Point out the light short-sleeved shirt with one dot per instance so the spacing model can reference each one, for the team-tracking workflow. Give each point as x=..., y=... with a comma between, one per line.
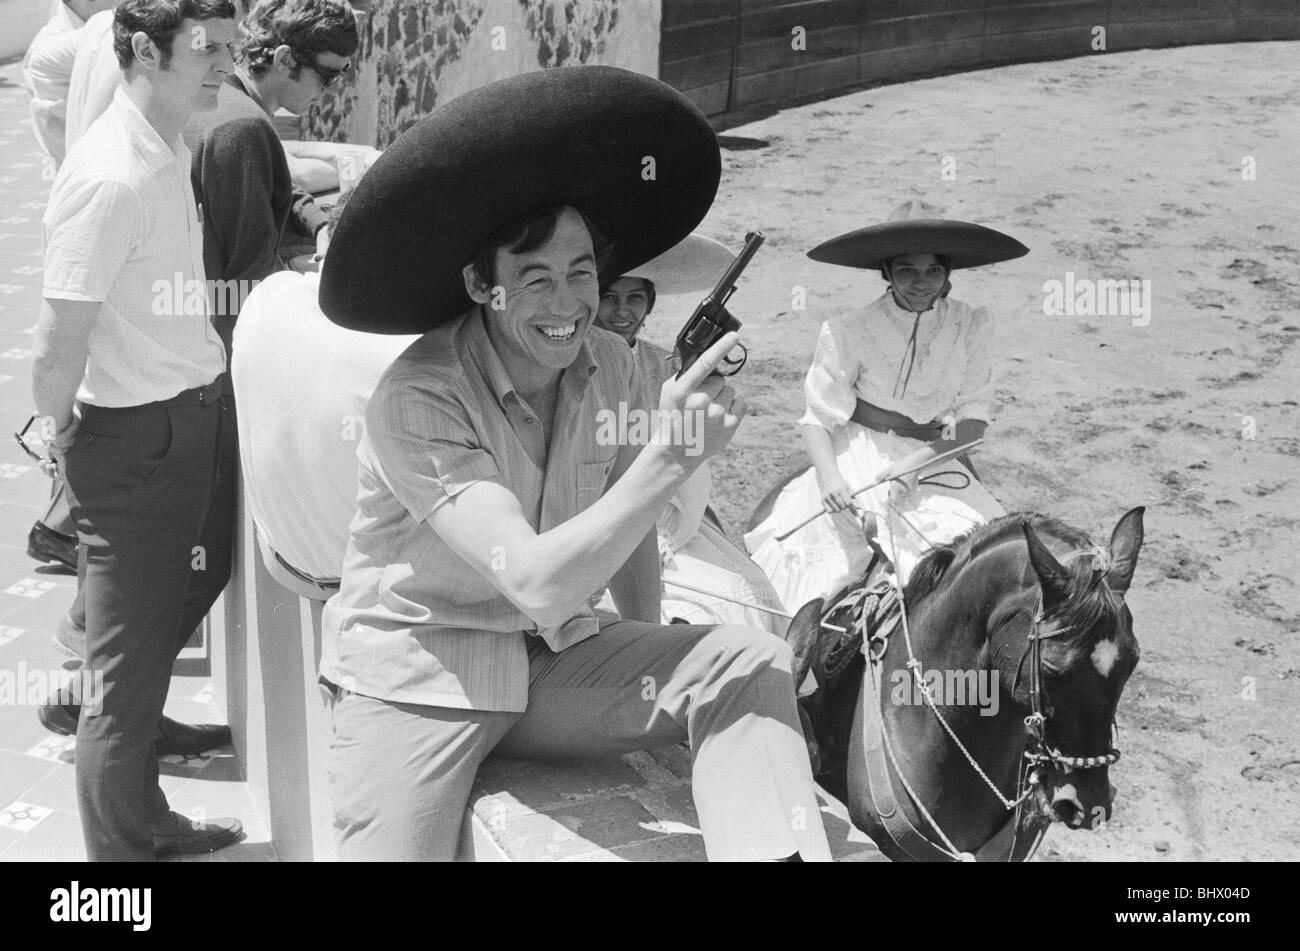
x=122, y=229
x=96, y=75
x=302, y=384
x=47, y=71
x=859, y=355
x=413, y=622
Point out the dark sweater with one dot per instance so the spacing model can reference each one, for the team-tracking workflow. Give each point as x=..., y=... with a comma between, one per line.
x=241, y=180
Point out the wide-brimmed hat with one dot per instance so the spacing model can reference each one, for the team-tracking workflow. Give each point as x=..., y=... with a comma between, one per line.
x=916, y=227
x=695, y=264
x=630, y=151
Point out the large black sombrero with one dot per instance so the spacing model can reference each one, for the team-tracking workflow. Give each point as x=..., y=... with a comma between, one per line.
x=630, y=151
x=918, y=228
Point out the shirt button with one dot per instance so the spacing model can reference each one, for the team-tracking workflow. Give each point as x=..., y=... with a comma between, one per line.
x=528, y=419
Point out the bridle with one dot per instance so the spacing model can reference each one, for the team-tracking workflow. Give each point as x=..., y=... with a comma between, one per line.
x=1038, y=753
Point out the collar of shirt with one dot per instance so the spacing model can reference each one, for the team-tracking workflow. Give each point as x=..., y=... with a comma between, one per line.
x=522, y=418
x=153, y=151
x=483, y=352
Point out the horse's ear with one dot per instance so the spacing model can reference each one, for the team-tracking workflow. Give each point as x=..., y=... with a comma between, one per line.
x=1125, y=543
x=1052, y=578
x=802, y=638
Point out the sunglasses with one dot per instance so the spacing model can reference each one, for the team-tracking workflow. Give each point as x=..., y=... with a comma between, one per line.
x=21, y=437
x=327, y=76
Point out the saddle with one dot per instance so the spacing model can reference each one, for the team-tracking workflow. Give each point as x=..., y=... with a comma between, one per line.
x=834, y=652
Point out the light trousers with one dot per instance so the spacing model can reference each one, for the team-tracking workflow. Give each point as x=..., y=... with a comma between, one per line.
x=401, y=774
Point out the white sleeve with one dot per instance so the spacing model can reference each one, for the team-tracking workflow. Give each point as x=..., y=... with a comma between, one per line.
x=681, y=519
x=47, y=70
x=828, y=388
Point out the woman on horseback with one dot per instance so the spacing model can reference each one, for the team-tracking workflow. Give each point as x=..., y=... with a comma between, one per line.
x=708, y=579
x=914, y=368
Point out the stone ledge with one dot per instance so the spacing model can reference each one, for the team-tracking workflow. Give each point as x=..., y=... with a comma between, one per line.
x=635, y=808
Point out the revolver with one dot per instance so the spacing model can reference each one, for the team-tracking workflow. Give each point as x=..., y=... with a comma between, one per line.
x=711, y=320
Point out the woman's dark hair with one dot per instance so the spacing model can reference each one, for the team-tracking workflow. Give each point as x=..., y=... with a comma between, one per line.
x=307, y=27
x=528, y=232
x=645, y=281
x=160, y=20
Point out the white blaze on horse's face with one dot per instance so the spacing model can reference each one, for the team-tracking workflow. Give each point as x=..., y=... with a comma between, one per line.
x=1104, y=656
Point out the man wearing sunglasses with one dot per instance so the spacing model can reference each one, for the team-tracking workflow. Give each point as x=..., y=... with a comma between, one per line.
x=291, y=51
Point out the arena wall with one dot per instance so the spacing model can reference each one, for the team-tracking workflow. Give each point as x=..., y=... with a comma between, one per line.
x=736, y=55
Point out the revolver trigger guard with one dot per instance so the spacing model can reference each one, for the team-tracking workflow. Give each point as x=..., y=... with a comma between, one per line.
x=734, y=366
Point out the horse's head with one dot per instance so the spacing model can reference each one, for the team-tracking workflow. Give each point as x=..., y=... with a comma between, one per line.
x=1067, y=650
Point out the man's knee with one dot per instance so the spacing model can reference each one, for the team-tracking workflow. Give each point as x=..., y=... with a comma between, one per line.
x=750, y=648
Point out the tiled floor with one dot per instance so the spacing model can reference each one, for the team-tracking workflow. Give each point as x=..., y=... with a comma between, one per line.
x=38, y=803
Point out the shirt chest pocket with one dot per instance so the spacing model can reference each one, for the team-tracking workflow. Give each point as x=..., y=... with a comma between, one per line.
x=592, y=479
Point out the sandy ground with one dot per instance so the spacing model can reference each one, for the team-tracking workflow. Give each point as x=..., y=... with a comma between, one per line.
x=1122, y=165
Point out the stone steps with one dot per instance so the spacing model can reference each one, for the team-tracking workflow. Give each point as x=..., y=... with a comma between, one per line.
x=635, y=808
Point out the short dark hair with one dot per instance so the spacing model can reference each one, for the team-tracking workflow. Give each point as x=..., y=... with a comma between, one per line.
x=528, y=232
x=160, y=20
x=305, y=26
x=941, y=258
x=648, y=284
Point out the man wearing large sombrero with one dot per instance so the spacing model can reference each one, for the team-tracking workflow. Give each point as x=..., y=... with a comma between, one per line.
x=912, y=368
x=490, y=517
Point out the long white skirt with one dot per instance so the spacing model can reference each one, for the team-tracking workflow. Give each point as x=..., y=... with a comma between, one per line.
x=833, y=550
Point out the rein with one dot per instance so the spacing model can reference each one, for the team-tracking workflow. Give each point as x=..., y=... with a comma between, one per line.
x=1037, y=752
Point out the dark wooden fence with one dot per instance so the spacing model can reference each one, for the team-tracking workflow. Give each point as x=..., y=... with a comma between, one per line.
x=729, y=55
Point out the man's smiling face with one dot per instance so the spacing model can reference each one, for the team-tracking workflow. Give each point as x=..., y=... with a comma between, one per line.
x=550, y=295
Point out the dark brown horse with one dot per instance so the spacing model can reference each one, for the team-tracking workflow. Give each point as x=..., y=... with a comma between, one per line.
x=1020, y=630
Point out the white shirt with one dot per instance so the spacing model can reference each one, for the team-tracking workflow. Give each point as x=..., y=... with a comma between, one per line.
x=47, y=71
x=302, y=384
x=122, y=228
x=859, y=356
x=95, y=76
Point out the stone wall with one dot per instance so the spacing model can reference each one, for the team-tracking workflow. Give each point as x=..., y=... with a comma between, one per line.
x=416, y=54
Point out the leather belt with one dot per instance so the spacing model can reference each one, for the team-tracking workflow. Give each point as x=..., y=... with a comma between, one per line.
x=196, y=396
x=324, y=584
x=206, y=395
x=883, y=420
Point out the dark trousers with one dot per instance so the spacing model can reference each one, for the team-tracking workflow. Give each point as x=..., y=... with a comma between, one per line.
x=153, y=498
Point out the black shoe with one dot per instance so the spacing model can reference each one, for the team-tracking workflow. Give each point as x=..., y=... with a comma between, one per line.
x=60, y=716
x=190, y=837
x=189, y=738
x=46, y=545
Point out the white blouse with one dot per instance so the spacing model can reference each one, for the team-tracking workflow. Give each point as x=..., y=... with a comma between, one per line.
x=859, y=356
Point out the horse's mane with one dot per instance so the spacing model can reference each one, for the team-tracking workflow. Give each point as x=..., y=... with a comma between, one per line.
x=1092, y=610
